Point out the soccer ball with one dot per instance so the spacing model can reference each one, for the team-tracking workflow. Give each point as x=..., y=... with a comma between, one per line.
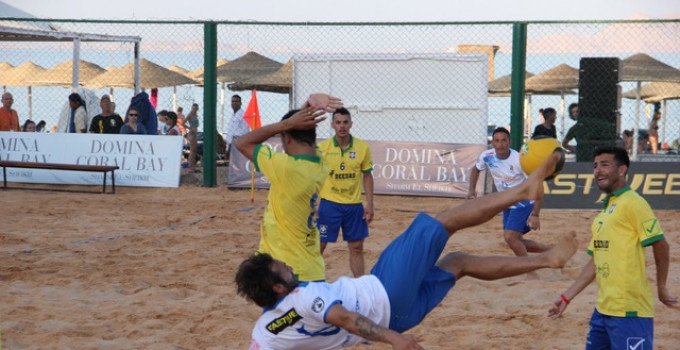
x=535, y=151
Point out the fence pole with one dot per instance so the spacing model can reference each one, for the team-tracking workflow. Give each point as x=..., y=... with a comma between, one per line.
x=209, y=104
x=517, y=93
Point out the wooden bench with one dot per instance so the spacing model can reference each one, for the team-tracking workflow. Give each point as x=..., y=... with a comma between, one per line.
x=54, y=166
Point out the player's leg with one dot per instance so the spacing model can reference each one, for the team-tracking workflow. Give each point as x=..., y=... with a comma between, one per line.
x=483, y=209
x=496, y=267
x=356, y=257
x=515, y=242
x=328, y=223
x=354, y=231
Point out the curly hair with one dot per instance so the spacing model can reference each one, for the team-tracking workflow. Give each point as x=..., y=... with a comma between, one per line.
x=255, y=278
x=305, y=136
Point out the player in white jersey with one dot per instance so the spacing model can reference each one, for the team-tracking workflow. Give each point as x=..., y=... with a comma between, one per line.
x=398, y=293
x=502, y=162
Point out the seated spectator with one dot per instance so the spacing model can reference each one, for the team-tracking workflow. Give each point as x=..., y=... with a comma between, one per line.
x=133, y=126
x=107, y=122
x=162, y=122
x=171, y=124
x=76, y=120
x=29, y=126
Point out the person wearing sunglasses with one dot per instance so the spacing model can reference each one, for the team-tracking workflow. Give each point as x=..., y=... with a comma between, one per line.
x=132, y=124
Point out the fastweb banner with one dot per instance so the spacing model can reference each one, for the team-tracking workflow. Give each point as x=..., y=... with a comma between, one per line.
x=144, y=160
x=399, y=168
x=575, y=187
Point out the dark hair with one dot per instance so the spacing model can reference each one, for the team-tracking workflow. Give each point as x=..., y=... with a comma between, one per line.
x=74, y=97
x=40, y=126
x=28, y=121
x=628, y=133
x=550, y=111
x=172, y=116
x=572, y=106
x=620, y=154
x=342, y=111
x=237, y=96
x=500, y=129
x=163, y=112
x=306, y=136
x=255, y=278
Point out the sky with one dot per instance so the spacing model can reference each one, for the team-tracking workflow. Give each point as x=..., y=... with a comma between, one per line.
x=353, y=10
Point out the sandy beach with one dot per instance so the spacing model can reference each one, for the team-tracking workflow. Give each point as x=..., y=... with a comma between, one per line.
x=153, y=268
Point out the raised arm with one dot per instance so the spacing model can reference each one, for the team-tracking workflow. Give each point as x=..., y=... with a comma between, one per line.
x=369, y=330
x=304, y=119
x=584, y=279
x=661, y=259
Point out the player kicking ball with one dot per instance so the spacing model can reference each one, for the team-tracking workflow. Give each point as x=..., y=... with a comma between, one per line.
x=407, y=282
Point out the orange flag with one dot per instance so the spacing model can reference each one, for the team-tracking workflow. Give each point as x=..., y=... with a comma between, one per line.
x=252, y=113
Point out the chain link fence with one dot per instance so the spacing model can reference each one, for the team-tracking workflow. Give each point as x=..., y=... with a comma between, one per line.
x=178, y=48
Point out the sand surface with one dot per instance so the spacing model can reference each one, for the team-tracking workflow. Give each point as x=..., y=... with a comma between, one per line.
x=153, y=269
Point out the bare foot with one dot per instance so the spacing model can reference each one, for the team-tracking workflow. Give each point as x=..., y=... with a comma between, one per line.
x=563, y=251
x=535, y=180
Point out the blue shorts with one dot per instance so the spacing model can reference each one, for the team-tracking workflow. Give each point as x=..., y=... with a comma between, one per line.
x=407, y=270
x=620, y=333
x=515, y=218
x=349, y=217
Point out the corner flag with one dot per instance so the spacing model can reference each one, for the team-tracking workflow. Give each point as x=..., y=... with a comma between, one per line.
x=252, y=113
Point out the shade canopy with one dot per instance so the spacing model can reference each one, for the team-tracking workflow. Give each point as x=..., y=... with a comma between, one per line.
x=642, y=67
x=655, y=92
x=177, y=69
x=246, y=67
x=151, y=76
x=280, y=81
x=62, y=74
x=19, y=75
x=197, y=74
x=5, y=66
x=562, y=78
x=502, y=86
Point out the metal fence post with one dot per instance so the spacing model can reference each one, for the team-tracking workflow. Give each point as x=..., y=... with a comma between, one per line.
x=517, y=93
x=209, y=105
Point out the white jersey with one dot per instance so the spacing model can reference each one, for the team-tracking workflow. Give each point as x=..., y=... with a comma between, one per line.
x=506, y=173
x=298, y=320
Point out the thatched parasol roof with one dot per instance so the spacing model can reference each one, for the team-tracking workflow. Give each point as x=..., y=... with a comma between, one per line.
x=5, y=66
x=280, y=81
x=503, y=86
x=177, y=69
x=655, y=92
x=62, y=74
x=642, y=67
x=246, y=67
x=197, y=74
x=19, y=75
x=562, y=78
x=151, y=75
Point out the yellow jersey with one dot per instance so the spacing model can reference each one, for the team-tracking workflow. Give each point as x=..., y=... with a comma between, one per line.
x=620, y=234
x=288, y=230
x=345, y=180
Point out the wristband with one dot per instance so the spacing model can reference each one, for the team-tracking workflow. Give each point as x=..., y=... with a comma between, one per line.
x=565, y=299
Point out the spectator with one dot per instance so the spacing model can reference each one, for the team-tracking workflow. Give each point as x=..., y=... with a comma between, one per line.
x=180, y=120
x=171, y=123
x=191, y=124
x=41, y=126
x=132, y=126
x=107, y=122
x=76, y=120
x=147, y=113
x=548, y=126
x=571, y=134
x=654, y=129
x=9, y=119
x=236, y=125
x=627, y=141
x=29, y=126
x=163, y=122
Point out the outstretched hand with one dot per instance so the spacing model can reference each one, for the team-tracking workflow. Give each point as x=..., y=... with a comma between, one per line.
x=666, y=298
x=324, y=102
x=304, y=119
x=407, y=342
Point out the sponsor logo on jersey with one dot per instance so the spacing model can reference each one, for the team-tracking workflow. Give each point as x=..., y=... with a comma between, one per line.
x=279, y=324
x=352, y=155
x=318, y=305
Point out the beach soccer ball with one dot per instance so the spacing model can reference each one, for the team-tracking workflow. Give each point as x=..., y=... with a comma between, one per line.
x=535, y=151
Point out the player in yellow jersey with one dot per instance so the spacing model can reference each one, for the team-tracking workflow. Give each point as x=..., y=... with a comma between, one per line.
x=623, y=316
x=296, y=177
x=350, y=164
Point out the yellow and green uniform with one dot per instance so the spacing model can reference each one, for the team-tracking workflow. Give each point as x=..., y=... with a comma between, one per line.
x=344, y=182
x=620, y=234
x=288, y=230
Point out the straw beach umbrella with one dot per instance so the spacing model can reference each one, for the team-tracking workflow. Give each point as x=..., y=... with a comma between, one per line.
x=3, y=67
x=18, y=76
x=501, y=87
x=280, y=81
x=642, y=67
x=62, y=74
x=560, y=80
x=197, y=74
x=657, y=92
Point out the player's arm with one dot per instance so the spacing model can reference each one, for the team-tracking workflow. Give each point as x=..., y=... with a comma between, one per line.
x=368, y=189
x=586, y=276
x=565, y=143
x=534, y=222
x=369, y=330
x=661, y=259
x=474, y=176
x=304, y=119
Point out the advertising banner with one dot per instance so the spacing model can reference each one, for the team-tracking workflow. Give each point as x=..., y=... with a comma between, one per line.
x=403, y=168
x=576, y=188
x=144, y=160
